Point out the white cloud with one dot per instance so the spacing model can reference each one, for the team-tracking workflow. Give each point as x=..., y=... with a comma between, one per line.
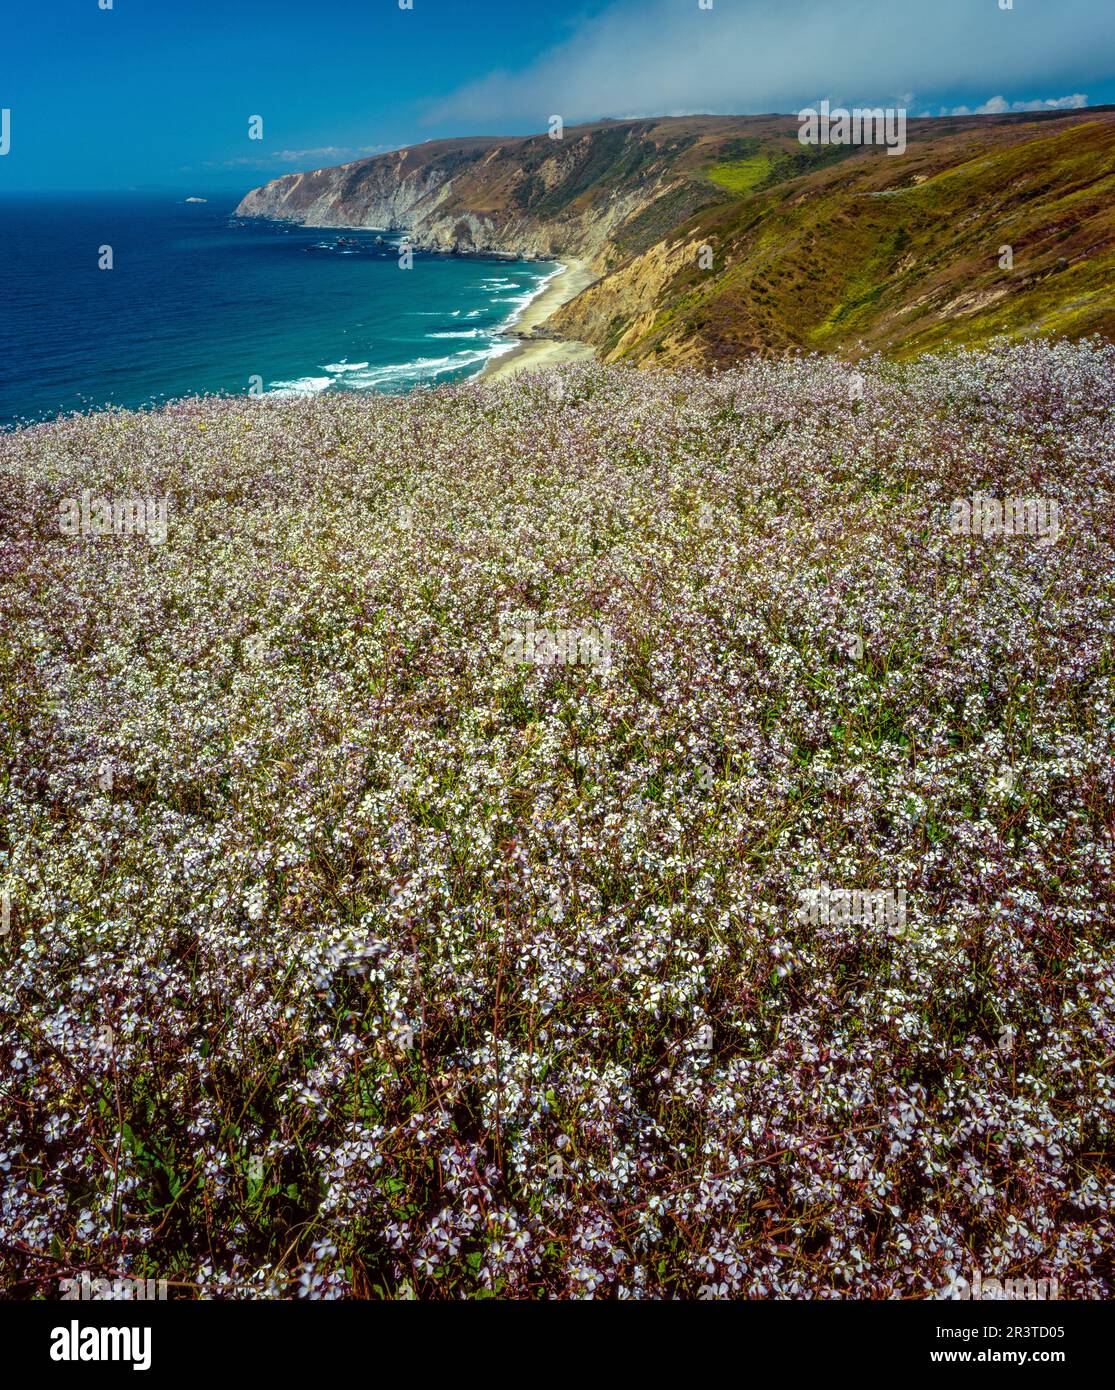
x=319, y=157
x=998, y=106
x=322, y=152
x=652, y=56
x=333, y=152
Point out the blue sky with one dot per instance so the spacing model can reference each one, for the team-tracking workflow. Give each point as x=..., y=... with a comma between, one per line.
x=158, y=93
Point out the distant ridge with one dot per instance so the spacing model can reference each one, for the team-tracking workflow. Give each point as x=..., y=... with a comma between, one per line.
x=831, y=248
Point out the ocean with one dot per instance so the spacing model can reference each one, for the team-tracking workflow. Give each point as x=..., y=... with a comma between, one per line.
x=198, y=301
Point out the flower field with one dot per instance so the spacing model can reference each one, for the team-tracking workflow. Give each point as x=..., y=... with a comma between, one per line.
x=368, y=934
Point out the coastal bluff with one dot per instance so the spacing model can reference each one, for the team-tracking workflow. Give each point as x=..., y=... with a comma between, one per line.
x=714, y=238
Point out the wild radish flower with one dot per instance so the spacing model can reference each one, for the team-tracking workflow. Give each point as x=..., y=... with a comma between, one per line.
x=512, y=971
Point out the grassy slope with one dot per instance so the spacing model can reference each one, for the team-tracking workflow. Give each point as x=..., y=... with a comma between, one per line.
x=338, y=816
x=833, y=249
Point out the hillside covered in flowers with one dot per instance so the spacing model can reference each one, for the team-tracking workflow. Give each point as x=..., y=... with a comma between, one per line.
x=605, y=833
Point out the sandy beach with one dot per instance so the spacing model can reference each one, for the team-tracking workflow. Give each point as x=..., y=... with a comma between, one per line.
x=532, y=353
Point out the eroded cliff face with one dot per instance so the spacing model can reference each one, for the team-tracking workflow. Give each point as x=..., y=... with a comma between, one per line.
x=527, y=197
x=350, y=196
x=619, y=311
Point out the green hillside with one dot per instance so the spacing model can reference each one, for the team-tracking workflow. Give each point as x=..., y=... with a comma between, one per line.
x=834, y=249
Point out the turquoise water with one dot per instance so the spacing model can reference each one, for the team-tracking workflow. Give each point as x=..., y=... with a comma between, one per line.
x=197, y=301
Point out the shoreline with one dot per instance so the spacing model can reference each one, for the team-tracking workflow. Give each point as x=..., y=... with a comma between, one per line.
x=525, y=351
x=529, y=352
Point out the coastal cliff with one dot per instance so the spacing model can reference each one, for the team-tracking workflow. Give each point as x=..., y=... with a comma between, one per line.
x=524, y=197
x=717, y=237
